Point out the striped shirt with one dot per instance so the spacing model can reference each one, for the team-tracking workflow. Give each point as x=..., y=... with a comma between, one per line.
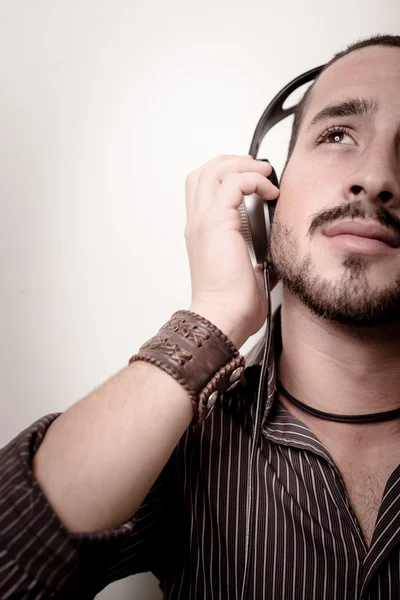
x=190, y=530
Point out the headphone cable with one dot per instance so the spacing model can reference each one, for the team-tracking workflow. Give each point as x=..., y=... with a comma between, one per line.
x=256, y=436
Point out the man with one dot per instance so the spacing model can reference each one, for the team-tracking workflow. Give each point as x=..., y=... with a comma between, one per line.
x=327, y=497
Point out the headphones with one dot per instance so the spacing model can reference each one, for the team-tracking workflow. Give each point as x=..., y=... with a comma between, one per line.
x=256, y=213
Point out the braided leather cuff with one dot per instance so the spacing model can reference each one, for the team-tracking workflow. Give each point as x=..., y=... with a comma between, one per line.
x=198, y=355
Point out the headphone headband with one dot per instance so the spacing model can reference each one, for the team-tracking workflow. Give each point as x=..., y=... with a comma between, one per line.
x=275, y=111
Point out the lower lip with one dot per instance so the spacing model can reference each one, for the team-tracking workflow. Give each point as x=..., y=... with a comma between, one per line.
x=361, y=245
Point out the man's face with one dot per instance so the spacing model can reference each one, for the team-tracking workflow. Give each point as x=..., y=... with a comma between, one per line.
x=341, y=191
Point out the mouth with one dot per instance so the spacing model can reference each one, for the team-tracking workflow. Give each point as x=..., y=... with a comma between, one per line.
x=369, y=230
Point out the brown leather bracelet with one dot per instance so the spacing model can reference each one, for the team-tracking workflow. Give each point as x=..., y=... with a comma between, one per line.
x=198, y=355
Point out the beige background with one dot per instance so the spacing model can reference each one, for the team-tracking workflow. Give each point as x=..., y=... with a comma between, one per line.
x=105, y=106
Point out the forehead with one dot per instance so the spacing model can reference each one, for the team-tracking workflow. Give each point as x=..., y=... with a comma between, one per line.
x=372, y=73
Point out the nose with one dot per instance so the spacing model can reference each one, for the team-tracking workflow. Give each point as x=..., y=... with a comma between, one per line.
x=375, y=179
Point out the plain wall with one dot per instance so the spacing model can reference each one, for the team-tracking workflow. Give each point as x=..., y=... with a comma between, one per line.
x=105, y=107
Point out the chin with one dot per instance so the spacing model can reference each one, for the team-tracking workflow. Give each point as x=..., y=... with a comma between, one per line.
x=348, y=294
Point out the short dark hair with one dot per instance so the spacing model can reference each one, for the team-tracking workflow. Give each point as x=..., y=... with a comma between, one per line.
x=375, y=40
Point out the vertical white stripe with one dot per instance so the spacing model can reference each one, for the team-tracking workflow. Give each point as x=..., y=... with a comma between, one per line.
x=274, y=493
x=204, y=512
x=195, y=519
x=238, y=480
x=249, y=416
x=256, y=522
x=186, y=496
x=294, y=568
x=345, y=575
x=304, y=538
x=302, y=460
x=266, y=538
x=208, y=568
x=218, y=500
x=333, y=536
x=356, y=578
x=209, y=502
x=284, y=535
x=228, y=501
x=322, y=531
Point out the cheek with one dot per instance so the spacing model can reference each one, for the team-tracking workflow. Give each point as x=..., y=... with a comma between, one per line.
x=305, y=190
x=295, y=200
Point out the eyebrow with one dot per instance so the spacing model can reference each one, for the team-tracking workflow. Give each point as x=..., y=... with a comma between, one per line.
x=351, y=107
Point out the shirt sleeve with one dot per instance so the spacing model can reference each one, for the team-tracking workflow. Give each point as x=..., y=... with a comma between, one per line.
x=39, y=558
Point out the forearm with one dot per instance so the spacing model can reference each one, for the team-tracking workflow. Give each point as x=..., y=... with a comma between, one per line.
x=99, y=459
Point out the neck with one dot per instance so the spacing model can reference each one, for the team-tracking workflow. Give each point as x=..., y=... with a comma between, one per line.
x=340, y=369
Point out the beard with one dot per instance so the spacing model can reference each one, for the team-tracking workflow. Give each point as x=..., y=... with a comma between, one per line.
x=350, y=300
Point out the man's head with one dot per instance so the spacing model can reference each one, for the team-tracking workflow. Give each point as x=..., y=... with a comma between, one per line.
x=344, y=170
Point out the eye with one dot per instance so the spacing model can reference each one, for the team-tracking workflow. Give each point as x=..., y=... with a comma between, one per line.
x=336, y=135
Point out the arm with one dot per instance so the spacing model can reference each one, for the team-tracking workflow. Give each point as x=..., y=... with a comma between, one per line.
x=125, y=431
x=123, y=434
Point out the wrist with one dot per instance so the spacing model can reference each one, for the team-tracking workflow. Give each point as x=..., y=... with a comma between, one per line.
x=234, y=332
x=198, y=354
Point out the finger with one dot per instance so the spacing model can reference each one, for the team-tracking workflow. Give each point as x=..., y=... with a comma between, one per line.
x=212, y=166
x=211, y=180
x=237, y=185
x=241, y=164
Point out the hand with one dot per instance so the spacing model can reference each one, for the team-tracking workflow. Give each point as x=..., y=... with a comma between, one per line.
x=226, y=289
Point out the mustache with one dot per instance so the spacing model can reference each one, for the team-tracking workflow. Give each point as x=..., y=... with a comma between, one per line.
x=353, y=210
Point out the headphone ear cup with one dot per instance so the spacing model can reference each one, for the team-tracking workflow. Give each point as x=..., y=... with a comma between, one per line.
x=256, y=215
x=273, y=179
x=272, y=203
